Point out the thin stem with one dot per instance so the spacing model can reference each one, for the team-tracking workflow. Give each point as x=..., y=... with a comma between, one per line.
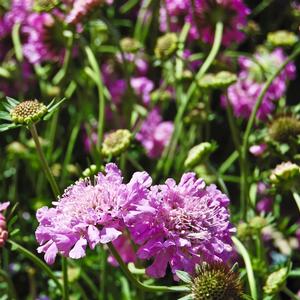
x=290, y=294
x=136, y=282
x=186, y=99
x=103, y=260
x=64, y=264
x=243, y=251
x=10, y=285
x=43, y=160
x=37, y=261
x=297, y=198
x=244, y=150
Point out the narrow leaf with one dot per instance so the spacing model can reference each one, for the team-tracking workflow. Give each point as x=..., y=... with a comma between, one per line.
x=184, y=276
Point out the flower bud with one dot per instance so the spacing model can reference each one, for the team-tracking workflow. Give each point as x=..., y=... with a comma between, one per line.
x=16, y=148
x=257, y=223
x=285, y=175
x=44, y=5
x=166, y=46
x=219, y=80
x=161, y=96
x=28, y=112
x=275, y=281
x=199, y=153
x=130, y=45
x=90, y=171
x=282, y=38
x=116, y=142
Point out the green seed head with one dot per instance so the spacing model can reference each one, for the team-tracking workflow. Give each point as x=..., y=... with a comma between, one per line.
x=282, y=38
x=28, y=112
x=219, y=80
x=283, y=128
x=216, y=282
x=275, y=281
x=130, y=45
x=116, y=142
x=166, y=46
x=44, y=5
x=258, y=223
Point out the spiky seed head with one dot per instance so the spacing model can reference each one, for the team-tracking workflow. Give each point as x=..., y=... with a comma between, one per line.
x=28, y=112
x=219, y=80
x=166, y=46
x=282, y=38
x=275, y=281
x=130, y=45
x=116, y=142
x=216, y=281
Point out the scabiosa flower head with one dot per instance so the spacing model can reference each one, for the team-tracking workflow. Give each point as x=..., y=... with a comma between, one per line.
x=243, y=95
x=116, y=142
x=282, y=38
x=276, y=281
x=130, y=45
x=215, y=281
x=166, y=45
x=182, y=225
x=219, y=80
x=27, y=112
x=203, y=15
x=3, y=228
x=155, y=134
x=88, y=214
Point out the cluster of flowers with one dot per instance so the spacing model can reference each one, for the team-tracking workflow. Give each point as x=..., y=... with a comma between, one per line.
x=173, y=224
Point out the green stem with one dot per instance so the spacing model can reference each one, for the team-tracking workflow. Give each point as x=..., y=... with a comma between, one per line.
x=103, y=260
x=186, y=99
x=10, y=285
x=290, y=294
x=137, y=283
x=244, y=149
x=64, y=264
x=243, y=251
x=43, y=160
x=38, y=262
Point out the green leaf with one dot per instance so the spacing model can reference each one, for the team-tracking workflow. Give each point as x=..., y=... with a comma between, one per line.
x=13, y=102
x=4, y=115
x=17, y=41
x=184, y=276
x=4, y=127
x=53, y=109
x=4, y=73
x=14, y=232
x=187, y=297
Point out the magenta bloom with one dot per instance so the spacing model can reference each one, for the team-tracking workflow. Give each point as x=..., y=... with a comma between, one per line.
x=142, y=87
x=182, y=225
x=203, y=15
x=3, y=225
x=265, y=205
x=89, y=214
x=244, y=94
x=155, y=134
x=258, y=150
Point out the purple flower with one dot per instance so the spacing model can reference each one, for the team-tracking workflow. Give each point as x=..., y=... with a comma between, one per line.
x=182, y=225
x=265, y=205
x=243, y=95
x=89, y=214
x=155, y=134
x=258, y=150
x=142, y=87
x=3, y=227
x=203, y=15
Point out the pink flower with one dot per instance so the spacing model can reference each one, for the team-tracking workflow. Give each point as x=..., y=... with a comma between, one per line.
x=89, y=214
x=182, y=225
x=142, y=87
x=265, y=205
x=3, y=226
x=258, y=150
x=155, y=134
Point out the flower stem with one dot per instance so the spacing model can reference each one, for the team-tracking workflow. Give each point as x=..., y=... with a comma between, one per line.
x=43, y=160
x=243, y=251
x=297, y=198
x=64, y=264
x=38, y=262
x=186, y=99
x=290, y=294
x=250, y=124
x=137, y=283
x=10, y=285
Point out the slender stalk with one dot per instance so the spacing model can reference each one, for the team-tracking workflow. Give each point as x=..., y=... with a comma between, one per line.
x=297, y=198
x=251, y=279
x=290, y=294
x=43, y=160
x=137, y=283
x=64, y=264
x=10, y=285
x=103, y=260
x=186, y=99
x=37, y=261
x=250, y=124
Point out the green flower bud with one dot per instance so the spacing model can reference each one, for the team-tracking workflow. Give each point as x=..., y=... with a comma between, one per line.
x=90, y=171
x=130, y=45
x=44, y=5
x=166, y=46
x=285, y=175
x=161, y=96
x=258, y=223
x=275, y=281
x=197, y=114
x=216, y=281
x=203, y=172
x=56, y=170
x=199, y=153
x=282, y=38
x=16, y=148
x=219, y=80
x=243, y=230
x=28, y=112
x=116, y=142
x=284, y=128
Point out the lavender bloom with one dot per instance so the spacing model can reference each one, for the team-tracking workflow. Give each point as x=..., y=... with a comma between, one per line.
x=258, y=150
x=265, y=205
x=244, y=94
x=202, y=15
x=155, y=134
x=142, y=87
x=3, y=228
x=88, y=214
x=182, y=225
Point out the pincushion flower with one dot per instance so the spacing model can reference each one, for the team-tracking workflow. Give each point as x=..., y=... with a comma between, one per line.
x=155, y=134
x=243, y=95
x=88, y=214
x=182, y=225
x=203, y=15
